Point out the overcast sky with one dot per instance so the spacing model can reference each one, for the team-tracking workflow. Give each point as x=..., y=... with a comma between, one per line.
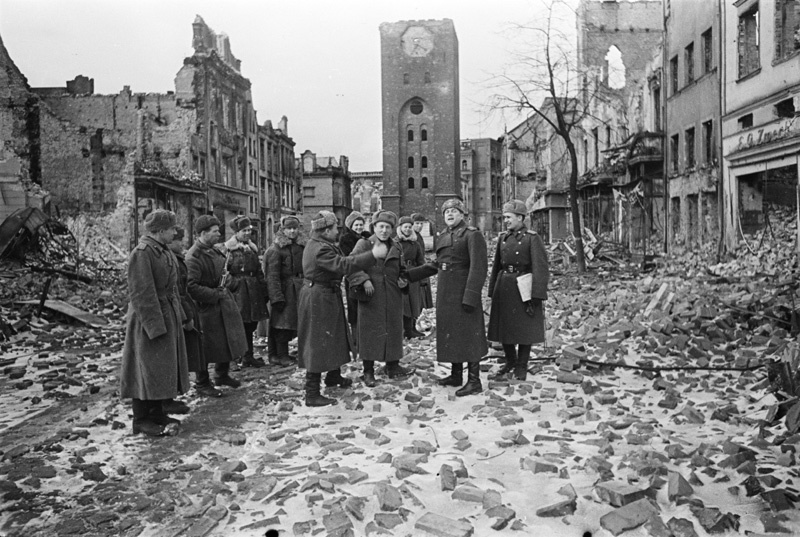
x=315, y=61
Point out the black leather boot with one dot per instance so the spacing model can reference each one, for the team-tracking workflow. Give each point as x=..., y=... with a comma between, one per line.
x=510, y=363
x=369, y=374
x=335, y=378
x=223, y=377
x=473, y=384
x=521, y=368
x=158, y=414
x=142, y=422
x=249, y=361
x=455, y=378
x=395, y=371
x=314, y=396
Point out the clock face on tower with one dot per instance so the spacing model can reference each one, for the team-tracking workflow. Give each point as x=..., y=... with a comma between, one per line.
x=417, y=41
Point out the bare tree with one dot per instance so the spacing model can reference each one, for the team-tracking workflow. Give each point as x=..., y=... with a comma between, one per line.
x=544, y=69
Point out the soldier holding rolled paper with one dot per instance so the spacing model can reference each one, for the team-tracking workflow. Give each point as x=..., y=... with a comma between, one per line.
x=518, y=289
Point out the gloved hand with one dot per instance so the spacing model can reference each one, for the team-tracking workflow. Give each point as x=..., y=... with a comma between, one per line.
x=278, y=306
x=188, y=326
x=467, y=308
x=529, y=308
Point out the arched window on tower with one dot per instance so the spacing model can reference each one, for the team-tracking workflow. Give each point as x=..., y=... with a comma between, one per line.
x=424, y=135
x=406, y=78
x=615, y=68
x=411, y=183
x=410, y=162
x=410, y=135
x=424, y=182
x=424, y=162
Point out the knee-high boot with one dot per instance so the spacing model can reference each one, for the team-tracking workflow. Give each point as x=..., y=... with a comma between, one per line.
x=511, y=361
x=314, y=396
x=455, y=378
x=521, y=369
x=473, y=384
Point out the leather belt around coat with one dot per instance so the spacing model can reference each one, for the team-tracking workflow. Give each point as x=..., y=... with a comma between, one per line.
x=245, y=273
x=334, y=285
x=453, y=266
x=516, y=269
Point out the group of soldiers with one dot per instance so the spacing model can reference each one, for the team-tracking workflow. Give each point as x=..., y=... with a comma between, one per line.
x=190, y=310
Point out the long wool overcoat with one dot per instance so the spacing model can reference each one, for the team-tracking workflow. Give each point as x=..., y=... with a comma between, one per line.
x=508, y=322
x=462, y=266
x=379, y=329
x=283, y=266
x=194, y=338
x=246, y=280
x=223, y=330
x=413, y=256
x=154, y=356
x=323, y=337
x=426, y=296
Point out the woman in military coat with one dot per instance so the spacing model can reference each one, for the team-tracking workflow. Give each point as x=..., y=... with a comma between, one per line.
x=322, y=333
x=245, y=280
x=514, y=322
x=379, y=330
x=413, y=256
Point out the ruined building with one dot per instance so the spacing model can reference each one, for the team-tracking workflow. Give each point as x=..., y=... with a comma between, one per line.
x=691, y=93
x=20, y=156
x=196, y=150
x=482, y=180
x=761, y=114
x=621, y=183
x=327, y=185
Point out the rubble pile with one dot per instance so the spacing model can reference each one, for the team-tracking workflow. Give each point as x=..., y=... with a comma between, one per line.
x=650, y=411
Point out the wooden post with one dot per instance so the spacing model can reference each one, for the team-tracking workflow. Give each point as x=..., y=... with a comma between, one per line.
x=43, y=298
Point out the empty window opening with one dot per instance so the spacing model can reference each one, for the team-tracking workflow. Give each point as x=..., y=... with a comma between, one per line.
x=673, y=152
x=410, y=135
x=787, y=28
x=785, y=108
x=708, y=51
x=423, y=135
x=410, y=162
x=424, y=182
x=424, y=162
x=416, y=107
x=688, y=60
x=748, y=42
x=746, y=121
x=673, y=75
x=689, y=149
x=616, y=68
x=406, y=78
x=411, y=182
x=708, y=142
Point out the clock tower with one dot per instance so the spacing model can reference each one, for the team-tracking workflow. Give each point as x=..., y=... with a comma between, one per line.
x=419, y=87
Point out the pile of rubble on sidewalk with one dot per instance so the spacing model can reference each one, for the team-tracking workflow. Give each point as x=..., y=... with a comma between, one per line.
x=651, y=407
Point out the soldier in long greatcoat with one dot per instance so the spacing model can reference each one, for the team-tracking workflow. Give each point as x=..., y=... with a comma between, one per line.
x=413, y=256
x=426, y=300
x=379, y=330
x=462, y=265
x=323, y=337
x=154, y=364
x=515, y=323
x=223, y=330
x=283, y=267
x=245, y=280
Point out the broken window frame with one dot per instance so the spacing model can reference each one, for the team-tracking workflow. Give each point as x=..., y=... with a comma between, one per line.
x=787, y=29
x=748, y=42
